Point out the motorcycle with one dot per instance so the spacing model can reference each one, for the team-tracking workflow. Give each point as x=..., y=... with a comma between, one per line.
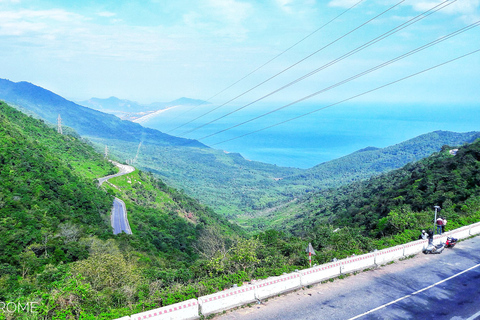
x=434, y=249
x=451, y=242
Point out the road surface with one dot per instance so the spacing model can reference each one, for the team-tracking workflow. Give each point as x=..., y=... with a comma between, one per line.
x=124, y=169
x=119, y=217
x=445, y=286
x=119, y=211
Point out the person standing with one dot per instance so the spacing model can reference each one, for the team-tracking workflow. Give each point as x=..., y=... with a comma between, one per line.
x=439, y=225
x=444, y=224
x=430, y=236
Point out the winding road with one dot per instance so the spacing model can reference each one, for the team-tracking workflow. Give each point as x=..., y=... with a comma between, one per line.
x=119, y=211
x=440, y=287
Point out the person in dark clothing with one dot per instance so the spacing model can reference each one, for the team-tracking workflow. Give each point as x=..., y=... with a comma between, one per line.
x=430, y=236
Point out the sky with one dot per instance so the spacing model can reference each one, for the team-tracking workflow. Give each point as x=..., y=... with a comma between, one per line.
x=161, y=50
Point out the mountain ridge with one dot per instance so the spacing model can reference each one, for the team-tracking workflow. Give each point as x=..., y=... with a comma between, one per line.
x=48, y=105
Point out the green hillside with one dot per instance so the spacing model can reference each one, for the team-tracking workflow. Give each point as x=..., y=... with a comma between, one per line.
x=55, y=235
x=397, y=205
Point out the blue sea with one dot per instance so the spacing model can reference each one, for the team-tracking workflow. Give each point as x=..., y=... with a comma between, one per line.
x=321, y=136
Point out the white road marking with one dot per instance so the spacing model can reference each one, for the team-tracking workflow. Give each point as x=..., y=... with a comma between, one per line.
x=419, y=291
x=474, y=316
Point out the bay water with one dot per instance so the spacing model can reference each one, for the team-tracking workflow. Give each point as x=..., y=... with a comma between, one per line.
x=321, y=136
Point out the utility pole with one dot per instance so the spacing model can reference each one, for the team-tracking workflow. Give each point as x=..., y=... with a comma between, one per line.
x=59, y=124
x=437, y=209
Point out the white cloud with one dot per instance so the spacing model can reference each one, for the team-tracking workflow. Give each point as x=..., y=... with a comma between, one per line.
x=24, y=22
x=296, y=6
x=469, y=10
x=219, y=18
x=106, y=14
x=342, y=3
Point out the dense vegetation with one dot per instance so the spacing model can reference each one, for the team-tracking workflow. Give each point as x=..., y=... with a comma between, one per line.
x=58, y=249
x=394, y=207
x=240, y=189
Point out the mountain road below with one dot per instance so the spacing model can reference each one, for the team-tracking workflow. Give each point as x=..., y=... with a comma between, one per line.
x=118, y=218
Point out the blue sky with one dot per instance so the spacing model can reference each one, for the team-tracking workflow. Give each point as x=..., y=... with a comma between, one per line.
x=160, y=50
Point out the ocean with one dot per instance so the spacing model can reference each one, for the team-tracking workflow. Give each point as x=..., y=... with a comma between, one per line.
x=319, y=137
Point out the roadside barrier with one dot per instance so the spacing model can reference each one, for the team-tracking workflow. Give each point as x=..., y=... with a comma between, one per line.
x=414, y=247
x=388, y=255
x=227, y=299
x=319, y=273
x=262, y=289
x=277, y=285
x=185, y=310
x=460, y=233
x=475, y=229
x=357, y=263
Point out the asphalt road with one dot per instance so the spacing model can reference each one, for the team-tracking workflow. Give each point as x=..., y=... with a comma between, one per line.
x=119, y=211
x=119, y=217
x=444, y=286
x=124, y=169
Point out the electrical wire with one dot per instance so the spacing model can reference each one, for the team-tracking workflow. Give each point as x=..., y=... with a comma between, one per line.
x=346, y=55
x=348, y=99
x=288, y=68
x=382, y=65
x=266, y=63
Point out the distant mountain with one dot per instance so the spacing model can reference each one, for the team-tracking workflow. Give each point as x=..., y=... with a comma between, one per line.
x=48, y=105
x=232, y=185
x=115, y=104
x=131, y=110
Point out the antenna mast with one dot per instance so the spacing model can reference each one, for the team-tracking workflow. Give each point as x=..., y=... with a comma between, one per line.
x=59, y=124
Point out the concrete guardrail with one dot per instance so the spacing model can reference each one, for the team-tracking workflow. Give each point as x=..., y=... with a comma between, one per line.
x=226, y=299
x=185, y=310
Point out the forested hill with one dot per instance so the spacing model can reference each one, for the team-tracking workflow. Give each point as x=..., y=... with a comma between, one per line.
x=48, y=105
x=401, y=200
x=56, y=242
x=373, y=161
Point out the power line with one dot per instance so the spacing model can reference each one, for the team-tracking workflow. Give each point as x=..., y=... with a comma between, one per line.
x=382, y=65
x=266, y=63
x=346, y=55
x=348, y=99
x=288, y=68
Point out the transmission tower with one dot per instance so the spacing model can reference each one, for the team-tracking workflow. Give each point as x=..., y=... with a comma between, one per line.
x=59, y=124
x=106, y=152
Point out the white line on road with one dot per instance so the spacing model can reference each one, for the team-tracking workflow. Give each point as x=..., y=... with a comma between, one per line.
x=474, y=316
x=417, y=292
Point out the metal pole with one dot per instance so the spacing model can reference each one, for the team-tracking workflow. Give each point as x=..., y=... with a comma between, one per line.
x=435, y=221
x=310, y=258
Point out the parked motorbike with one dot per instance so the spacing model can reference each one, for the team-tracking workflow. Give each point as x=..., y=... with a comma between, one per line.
x=434, y=249
x=451, y=242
